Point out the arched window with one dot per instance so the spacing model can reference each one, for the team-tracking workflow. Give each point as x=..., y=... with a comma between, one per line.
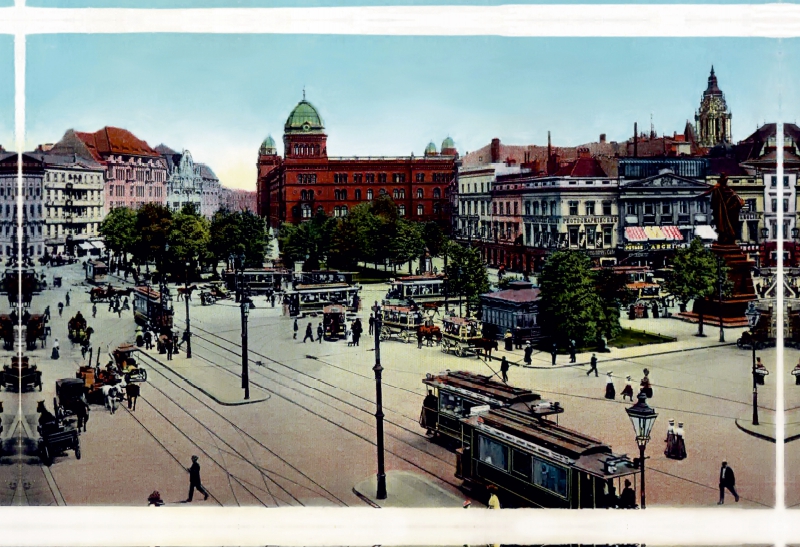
x=369, y=194
x=396, y=193
x=420, y=210
x=437, y=208
x=383, y=192
x=419, y=193
x=437, y=193
x=306, y=210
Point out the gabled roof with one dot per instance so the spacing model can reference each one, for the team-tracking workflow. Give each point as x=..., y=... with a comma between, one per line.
x=163, y=149
x=666, y=180
x=115, y=140
x=206, y=172
x=71, y=145
x=582, y=167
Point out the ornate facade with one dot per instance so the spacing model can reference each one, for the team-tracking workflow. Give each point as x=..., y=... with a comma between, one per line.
x=713, y=119
x=184, y=180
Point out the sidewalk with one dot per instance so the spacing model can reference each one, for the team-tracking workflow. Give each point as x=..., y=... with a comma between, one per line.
x=405, y=489
x=765, y=429
x=224, y=388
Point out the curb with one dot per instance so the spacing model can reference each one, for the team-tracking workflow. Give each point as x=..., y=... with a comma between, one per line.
x=365, y=499
x=761, y=436
x=203, y=391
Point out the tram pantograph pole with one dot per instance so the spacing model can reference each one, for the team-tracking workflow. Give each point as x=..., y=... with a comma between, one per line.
x=381, y=494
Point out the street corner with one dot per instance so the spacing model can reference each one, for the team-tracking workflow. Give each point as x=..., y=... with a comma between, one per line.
x=407, y=490
x=765, y=428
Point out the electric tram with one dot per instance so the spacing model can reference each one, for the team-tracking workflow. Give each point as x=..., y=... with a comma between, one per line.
x=314, y=298
x=151, y=310
x=419, y=288
x=259, y=281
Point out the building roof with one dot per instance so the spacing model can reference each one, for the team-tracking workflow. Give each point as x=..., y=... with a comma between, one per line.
x=268, y=146
x=448, y=143
x=206, y=172
x=163, y=149
x=515, y=295
x=115, y=140
x=713, y=88
x=304, y=118
x=430, y=149
x=71, y=145
x=728, y=165
x=582, y=167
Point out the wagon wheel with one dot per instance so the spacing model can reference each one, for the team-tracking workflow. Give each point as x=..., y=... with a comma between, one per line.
x=143, y=374
x=386, y=333
x=78, y=449
x=404, y=336
x=458, y=349
x=445, y=345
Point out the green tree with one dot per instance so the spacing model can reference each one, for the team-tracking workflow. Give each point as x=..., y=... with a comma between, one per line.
x=188, y=238
x=695, y=277
x=613, y=294
x=466, y=274
x=571, y=307
x=308, y=241
x=238, y=233
x=407, y=242
x=119, y=231
x=433, y=237
x=153, y=223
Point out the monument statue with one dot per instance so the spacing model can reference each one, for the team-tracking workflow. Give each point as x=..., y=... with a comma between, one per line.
x=725, y=206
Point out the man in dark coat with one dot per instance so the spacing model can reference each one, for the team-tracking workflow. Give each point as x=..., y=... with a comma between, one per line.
x=168, y=345
x=419, y=337
x=295, y=328
x=309, y=333
x=320, y=333
x=592, y=365
x=572, y=351
x=504, y=369
x=726, y=480
x=357, y=330
x=528, y=353
x=194, y=480
x=553, y=352
x=371, y=324
x=627, y=500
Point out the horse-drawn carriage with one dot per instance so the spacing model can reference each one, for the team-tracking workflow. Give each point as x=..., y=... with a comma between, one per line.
x=35, y=329
x=212, y=293
x=401, y=322
x=21, y=375
x=78, y=330
x=126, y=364
x=334, y=322
x=101, y=294
x=7, y=331
x=56, y=436
x=462, y=335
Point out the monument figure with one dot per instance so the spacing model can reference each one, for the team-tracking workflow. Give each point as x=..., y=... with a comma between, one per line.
x=725, y=207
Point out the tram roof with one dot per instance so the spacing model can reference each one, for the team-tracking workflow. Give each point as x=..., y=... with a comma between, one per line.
x=147, y=292
x=483, y=385
x=458, y=320
x=419, y=278
x=395, y=307
x=324, y=287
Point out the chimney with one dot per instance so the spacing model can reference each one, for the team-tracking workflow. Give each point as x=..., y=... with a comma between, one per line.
x=602, y=137
x=549, y=146
x=635, y=140
x=495, y=150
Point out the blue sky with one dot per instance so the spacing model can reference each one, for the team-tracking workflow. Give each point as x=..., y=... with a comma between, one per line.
x=220, y=95
x=327, y=3
x=7, y=92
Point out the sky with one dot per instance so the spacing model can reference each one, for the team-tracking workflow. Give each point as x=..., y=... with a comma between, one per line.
x=220, y=95
x=7, y=92
x=328, y=3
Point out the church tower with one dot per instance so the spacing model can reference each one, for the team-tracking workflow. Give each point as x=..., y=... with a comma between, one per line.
x=304, y=133
x=713, y=119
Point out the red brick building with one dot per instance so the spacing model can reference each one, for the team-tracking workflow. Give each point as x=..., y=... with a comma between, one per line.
x=305, y=180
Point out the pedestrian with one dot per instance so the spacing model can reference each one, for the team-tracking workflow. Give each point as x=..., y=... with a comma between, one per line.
x=66, y=298
x=139, y=336
x=528, y=353
x=194, y=480
x=309, y=333
x=47, y=313
x=628, y=389
x=796, y=373
x=168, y=345
x=509, y=340
x=611, y=393
x=272, y=300
x=645, y=386
x=94, y=310
x=627, y=500
x=60, y=308
x=593, y=367
x=148, y=340
x=572, y=350
x=82, y=412
x=55, y=353
x=419, y=337
x=320, y=332
x=357, y=330
x=680, y=443
x=726, y=480
x=761, y=371
x=295, y=328
x=494, y=501
x=118, y=309
x=84, y=349
x=554, y=352
x=517, y=340
x=111, y=305
x=670, y=440
x=504, y=369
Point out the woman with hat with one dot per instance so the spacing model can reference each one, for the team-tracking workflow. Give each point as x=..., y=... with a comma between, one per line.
x=670, y=440
x=680, y=444
x=628, y=390
x=644, y=385
x=611, y=393
x=509, y=340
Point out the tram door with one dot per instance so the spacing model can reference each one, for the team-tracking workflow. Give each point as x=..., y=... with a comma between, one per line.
x=586, y=491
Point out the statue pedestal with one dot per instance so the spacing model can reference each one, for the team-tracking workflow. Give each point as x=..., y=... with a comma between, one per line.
x=730, y=311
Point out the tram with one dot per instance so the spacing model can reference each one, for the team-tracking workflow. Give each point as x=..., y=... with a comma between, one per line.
x=323, y=277
x=151, y=311
x=454, y=395
x=96, y=272
x=419, y=288
x=334, y=322
x=314, y=298
x=259, y=281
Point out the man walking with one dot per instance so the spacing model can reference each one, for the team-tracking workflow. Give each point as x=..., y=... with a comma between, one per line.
x=169, y=347
x=67, y=299
x=94, y=310
x=528, y=353
x=504, y=369
x=295, y=329
x=371, y=324
x=572, y=350
x=60, y=308
x=553, y=352
x=592, y=365
x=419, y=337
x=726, y=480
x=320, y=332
x=309, y=333
x=194, y=480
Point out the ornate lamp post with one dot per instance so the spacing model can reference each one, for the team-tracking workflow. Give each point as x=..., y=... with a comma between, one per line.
x=381, y=494
x=753, y=316
x=642, y=417
x=188, y=323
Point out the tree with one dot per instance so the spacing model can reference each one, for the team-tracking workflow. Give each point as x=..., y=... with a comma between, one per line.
x=571, y=307
x=119, y=230
x=466, y=274
x=308, y=241
x=407, y=242
x=433, y=238
x=188, y=238
x=695, y=277
x=153, y=222
x=238, y=233
x=613, y=294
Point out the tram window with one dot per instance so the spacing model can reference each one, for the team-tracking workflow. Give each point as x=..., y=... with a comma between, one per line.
x=453, y=404
x=492, y=453
x=521, y=464
x=550, y=476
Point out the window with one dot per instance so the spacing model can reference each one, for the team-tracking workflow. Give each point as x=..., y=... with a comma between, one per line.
x=774, y=205
x=535, y=207
x=339, y=178
x=438, y=208
x=419, y=193
x=573, y=207
x=544, y=208
x=550, y=477
x=785, y=181
x=383, y=192
x=683, y=207
x=358, y=195
x=398, y=177
x=666, y=208
x=358, y=177
x=590, y=233
x=420, y=210
x=381, y=177
x=306, y=210
x=307, y=179
x=437, y=193
x=606, y=207
x=750, y=204
x=589, y=208
x=483, y=207
x=516, y=205
x=607, y=234
x=649, y=208
x=492, y=453
x=369, y=195
x=420, y=177
x=773, y=181
x=401, y=210
x=398, y=193
x=370, y=177
x=494, y=208
x=785, y=205
x=522, y=464
x=527, y=207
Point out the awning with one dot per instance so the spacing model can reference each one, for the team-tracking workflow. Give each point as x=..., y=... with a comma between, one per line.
x=704, y=231
x=635, y=233
x=672, y=233
x=654, y=233
x=86, y=246
x=98, y=244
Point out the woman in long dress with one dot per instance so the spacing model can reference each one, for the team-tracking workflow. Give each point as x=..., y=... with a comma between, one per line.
x=628, y=389
x=680, y=443
x=670, y=440
x=611, y=393
x=644, y=385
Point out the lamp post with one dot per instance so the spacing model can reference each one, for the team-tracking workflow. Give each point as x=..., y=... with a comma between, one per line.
x=188, y=323
x=381, y=493
x=642, y=417
x=244, y=306
x=753, y=316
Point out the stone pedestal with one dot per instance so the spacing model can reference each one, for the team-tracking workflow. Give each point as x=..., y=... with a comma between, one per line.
x=732, y=307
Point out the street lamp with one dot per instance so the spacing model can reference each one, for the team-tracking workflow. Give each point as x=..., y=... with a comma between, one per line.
x=753, y=316
x=381, y=494
x=188, y=323
x=642, y=417
x=244, y=306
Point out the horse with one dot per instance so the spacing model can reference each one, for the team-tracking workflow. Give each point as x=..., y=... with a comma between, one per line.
x=431, y=309
x=132, y=391
x=485, y=344
x=186, y=291
x=429, y=332
x=111, y=394
x=46, y=418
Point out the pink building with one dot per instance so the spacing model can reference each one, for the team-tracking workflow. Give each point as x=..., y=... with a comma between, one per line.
x=135, y=173
x=235, y=200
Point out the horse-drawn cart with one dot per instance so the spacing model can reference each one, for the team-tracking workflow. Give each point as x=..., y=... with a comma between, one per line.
x=21, y=375
x=123, y=359
x=460, y=335
x=78, y=330
x=334, y=322
x=35, y=329
x=400, y=322
x=57, y=437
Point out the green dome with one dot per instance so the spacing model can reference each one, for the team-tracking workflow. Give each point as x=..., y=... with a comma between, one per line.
x=430, y=149
x=268, y=146
x=448, y=143
x=304, y=118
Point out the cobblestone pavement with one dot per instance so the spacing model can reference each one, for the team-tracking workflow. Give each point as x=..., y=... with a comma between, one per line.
x=311, y=439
